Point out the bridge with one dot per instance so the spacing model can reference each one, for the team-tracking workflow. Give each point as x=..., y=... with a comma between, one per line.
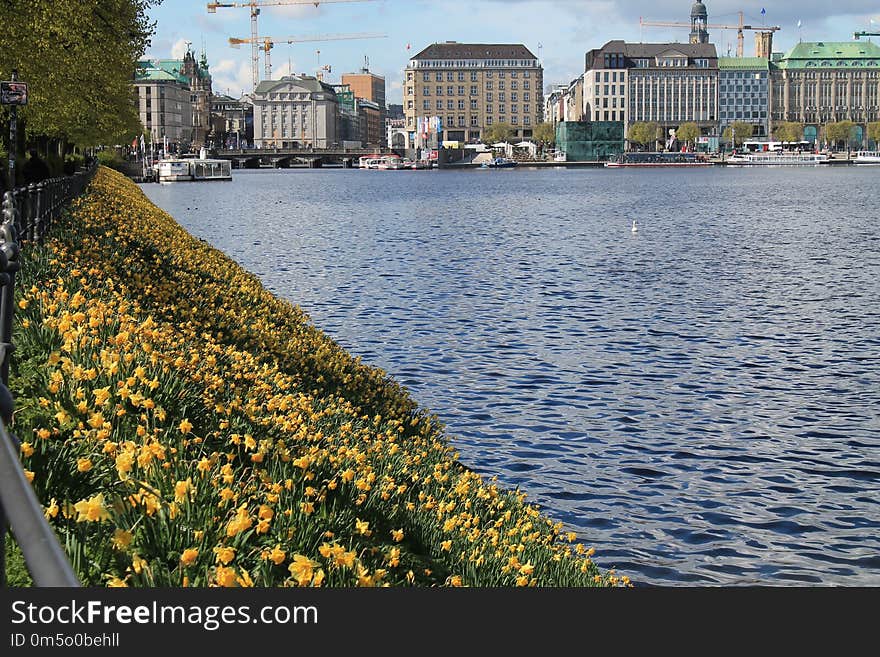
x=284, y=158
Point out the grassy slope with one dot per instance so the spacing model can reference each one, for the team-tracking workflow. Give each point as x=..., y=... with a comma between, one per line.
x=186, y=427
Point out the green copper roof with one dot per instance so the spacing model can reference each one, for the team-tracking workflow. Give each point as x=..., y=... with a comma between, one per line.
x=743, y=63
x=161, y=70
x=832, y=54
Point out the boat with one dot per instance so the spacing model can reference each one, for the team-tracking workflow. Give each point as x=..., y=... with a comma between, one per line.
x=191, y=169
x=499, y=163
x=777, y=159
x=658, y=159
x=867, y=157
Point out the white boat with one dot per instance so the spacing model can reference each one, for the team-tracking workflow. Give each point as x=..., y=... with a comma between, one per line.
x=190, y=169
x=867, y=157
x=777, y=159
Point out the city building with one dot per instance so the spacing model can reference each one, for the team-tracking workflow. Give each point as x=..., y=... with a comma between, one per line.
x=816, y=83
x=368, y=86
x=665, y=83
x=371, y=118
x=173, y=98
x=232, y=122
x=744, y=93
x=295, y=111
x=164, y=102
x=464, y=88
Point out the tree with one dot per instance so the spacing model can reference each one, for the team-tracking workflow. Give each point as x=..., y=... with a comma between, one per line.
x=544, y=132
x=874, y=132
x=78, y=58
x=498, y=132
x=738, y=132
x=687, y=132
x=644, y=133
x=841, y=131
x=789, y=131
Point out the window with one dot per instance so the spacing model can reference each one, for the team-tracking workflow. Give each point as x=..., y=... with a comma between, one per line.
x=500, y=85
x=461, y=104
x=439, y=105
x=500, y=74
x=513, y=108
x=409, y=91
x=526, y=96
x=488, y=86
x=527, y=120
x=450, y=104
x=409, y=104
x=460, y=121
x=461, y=76
x=473, y=104
x=439, y=90
x=488, y=109
x=525, y=109
x=513, y=97
x=501, y=109
x=438, y=76
x=450, y=90
x=461, y=90
x=450, y=76
x=473, y=120
x=526, y=84
x=409, y=76
x=473, y=90
x=425, y=76
x=514, y=120
x=501, y=96
x=488, y=120
x=426, y=91
x=514, y=85
x=473, y=76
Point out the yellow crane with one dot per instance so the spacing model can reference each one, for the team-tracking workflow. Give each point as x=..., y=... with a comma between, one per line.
x=267, y=43
x=739, y=29
x=254, y=6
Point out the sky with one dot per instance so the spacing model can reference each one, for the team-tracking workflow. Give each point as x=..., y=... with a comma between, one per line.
x=559, y=32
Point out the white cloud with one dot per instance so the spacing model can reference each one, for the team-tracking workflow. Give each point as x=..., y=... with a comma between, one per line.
x=232, y=77
x=178, y=50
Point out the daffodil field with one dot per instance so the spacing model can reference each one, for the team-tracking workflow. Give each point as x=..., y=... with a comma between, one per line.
x=184, y=427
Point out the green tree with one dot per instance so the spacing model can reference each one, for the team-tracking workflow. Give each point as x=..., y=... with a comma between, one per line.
x=874, y=132
x=738, y=132
x=688, y=132
x=498, y=132
x=789, y=131
x=544, y=132
x=78, y=58
x=644, y=133
x=840, y=131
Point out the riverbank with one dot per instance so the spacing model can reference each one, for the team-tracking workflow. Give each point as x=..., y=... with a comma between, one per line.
x=184, y=426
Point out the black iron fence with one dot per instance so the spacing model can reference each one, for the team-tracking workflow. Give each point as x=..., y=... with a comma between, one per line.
x=27, y=214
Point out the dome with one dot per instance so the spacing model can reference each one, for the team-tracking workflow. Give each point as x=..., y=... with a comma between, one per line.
x=699, y=10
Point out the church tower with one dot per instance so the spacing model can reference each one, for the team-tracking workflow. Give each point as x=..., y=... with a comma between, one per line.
x=699, y=18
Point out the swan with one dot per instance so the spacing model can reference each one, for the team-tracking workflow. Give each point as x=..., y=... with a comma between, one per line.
x=635, y=227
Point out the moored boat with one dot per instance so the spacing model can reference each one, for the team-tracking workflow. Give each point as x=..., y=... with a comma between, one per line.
x=867, y=157
x=499, y=163
x=777, y=159
x=191, y=169
x=658, y=159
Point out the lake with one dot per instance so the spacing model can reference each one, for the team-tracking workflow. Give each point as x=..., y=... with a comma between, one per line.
x=699, y=400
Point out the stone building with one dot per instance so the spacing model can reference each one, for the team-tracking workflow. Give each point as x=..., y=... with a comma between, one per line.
x=816, y=83
x=232, y=122
x=295, y=111
x=744, y=93
x=472, y=86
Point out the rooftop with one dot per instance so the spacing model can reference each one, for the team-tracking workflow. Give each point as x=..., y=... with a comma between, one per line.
x=455, y=50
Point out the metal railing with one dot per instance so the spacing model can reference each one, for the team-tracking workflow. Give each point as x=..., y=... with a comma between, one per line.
x=27, y=214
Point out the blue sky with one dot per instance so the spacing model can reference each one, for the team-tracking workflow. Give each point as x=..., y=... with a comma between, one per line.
x=558, y=31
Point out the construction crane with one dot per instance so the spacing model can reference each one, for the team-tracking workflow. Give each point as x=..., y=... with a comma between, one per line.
x=254, y=6
x=267, y=43
x=856, y=35
x=739, y=29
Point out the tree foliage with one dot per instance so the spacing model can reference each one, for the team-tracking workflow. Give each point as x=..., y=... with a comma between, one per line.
x=874, y=131
x=840, y=131
x=789, y=131
x=739, y=131
x=687, y=132
x=498, y=132
x=545, y=132
x=78, y=58
x=644, y=132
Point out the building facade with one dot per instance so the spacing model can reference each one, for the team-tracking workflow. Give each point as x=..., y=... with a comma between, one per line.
x=164, y=102
x=295, y=111
x=173, y=99
x=744, y=93
x=368, y=86
x=232, y=122
x=817, y=83
x=664, y=83
x=471, y=87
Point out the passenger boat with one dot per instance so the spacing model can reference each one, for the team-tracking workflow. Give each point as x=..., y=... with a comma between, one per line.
x=499, y=163
x=191, y=169
x=777, y=159
x=651, y=159
x=867, y=157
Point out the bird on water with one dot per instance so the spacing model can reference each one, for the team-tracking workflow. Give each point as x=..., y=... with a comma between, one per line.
x=635, y=227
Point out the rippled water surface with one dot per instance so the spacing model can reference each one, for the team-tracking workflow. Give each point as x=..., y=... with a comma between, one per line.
x=699, y=400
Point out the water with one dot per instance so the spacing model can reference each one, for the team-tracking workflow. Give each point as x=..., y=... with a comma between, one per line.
x=699, y=400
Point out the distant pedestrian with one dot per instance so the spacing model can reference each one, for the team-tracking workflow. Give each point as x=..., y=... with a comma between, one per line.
x=35, y=169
